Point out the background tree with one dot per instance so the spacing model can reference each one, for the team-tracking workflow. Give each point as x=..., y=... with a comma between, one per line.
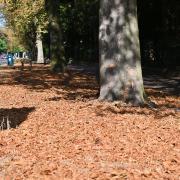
x=78, y=29
x=79, y=22
x=56, y=44
x=28, y=20
x=3, y=44
x=13, y=44
x=159, y=32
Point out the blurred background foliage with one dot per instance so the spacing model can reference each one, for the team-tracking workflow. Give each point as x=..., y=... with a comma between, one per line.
x=79, y=22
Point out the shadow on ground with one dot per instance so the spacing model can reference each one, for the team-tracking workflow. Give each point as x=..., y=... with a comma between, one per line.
x=79, y=82
x=168, y=83
x=12, y=118
x=160, y=113
x=76, y=84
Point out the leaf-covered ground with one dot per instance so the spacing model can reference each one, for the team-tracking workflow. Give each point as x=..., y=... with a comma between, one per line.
x=60, y=131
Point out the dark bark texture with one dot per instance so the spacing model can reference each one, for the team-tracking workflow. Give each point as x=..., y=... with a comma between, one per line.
x=120, y=66
x=56, y=46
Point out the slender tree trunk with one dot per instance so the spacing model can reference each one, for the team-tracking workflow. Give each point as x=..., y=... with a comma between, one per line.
x=39, y=45
x=57, y=49
x=120, y=66
x=34, y=54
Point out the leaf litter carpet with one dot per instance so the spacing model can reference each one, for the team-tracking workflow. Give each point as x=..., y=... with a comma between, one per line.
x=58, y=130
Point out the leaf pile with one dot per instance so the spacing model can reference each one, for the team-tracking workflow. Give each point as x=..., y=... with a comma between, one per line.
x=60, y=131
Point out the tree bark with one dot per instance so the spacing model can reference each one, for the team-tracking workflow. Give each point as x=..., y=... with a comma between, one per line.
x=120, y=61
x=39, y=45
x=56, y=45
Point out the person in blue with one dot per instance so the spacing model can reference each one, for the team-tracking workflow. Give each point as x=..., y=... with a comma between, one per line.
x=10, y=59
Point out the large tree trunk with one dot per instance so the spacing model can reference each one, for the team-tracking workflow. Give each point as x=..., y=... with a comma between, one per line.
x=56, y=46
x=120, y=66
x=39, y=45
